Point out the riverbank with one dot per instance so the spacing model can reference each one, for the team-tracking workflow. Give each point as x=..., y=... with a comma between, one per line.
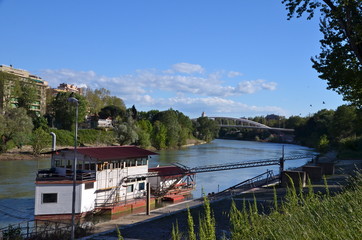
x=26, y=152
x=159, y=224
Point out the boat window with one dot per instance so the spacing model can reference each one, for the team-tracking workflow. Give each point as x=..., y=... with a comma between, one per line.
x=130, y=188
x=58, y=163
x=133, y=162
x=144, y=161
x=141, y=186
x=140, y=162
x=50, y=198
x=92, y=166
x=89, y=185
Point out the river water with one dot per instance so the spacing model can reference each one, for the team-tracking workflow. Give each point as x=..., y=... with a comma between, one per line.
x=17, y=177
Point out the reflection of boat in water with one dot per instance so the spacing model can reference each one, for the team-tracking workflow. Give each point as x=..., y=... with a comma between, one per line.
x=171, y=183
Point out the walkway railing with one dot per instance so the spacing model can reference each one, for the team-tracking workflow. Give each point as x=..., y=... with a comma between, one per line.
x=29, y=229
x=257, y=181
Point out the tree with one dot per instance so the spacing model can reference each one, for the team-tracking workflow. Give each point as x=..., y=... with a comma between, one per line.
x=100, y=98
x=125, y=132
x=318, y=125
x=26, y=94
x=112, y=111
x=64, y=112
x=294, y=121
x=206, y=129
x=144, y=133
x=16, y=126
x=344, y=122
x=148, y=115
x=170, y=120
x=159, y=135
x=340, y=61
x=40, y=140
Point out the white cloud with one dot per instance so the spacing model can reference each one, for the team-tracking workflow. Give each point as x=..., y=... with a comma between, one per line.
x=188, y=68
x=162, y=90
x=255, y=85
x=233, y=74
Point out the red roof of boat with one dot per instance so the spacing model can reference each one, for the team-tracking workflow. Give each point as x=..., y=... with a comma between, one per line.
x=112, y=152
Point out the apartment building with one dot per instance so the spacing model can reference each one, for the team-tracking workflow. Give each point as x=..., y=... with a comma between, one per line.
x=64, y=87
x=8, y=78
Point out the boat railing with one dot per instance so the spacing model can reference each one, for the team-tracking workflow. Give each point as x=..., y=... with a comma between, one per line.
x=103, y=202
x=52, y=174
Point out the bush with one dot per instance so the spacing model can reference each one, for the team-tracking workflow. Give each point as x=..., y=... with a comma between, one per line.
x=64, y=137
x=93, y=136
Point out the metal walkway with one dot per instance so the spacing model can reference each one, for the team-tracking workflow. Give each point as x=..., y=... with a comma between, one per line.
x=244, y=164
x=227, y=166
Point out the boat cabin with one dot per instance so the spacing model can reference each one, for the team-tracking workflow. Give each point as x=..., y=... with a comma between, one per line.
x=101, y=180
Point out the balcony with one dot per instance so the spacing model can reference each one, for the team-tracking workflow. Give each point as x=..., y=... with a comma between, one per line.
x=51, y=174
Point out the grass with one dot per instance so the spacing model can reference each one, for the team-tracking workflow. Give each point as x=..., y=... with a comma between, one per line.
x=302, y=215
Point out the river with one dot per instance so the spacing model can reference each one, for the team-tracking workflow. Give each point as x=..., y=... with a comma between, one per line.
x=17, y=177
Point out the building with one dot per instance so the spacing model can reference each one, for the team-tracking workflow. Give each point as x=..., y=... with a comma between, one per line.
x=8, y=78
x=103, y=181
x=64, y=87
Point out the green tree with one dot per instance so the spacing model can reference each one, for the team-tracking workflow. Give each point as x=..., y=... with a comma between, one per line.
x=100, y=98
x=16, y=126
x=148, y=115
x=26, y=94
x=112, y=111
x=170, y=120
x=340, y=61
x=344, y=122
x=294, y=121
x=316, y=126
x=159, y=135
x=64, y=111
x=125, y=132
x=40, y=140
x=41, y=122
x=144, y=133
x=206, y=129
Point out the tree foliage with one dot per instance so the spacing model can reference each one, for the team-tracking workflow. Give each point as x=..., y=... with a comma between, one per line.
x=340, y=61
x=26, y=94
x=16, y=126
x=100, y=98
x=159, y=135
x=64, y=111
x=40, y=140
x=206, y=129
x=112, y=111
x=125, y=132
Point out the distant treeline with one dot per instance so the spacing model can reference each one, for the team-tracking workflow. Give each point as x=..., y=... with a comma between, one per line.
x=339, y=129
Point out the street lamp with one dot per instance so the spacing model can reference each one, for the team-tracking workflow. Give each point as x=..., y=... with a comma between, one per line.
x=75, y=102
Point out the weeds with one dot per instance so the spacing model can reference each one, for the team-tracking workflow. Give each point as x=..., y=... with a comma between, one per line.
x=302, y=215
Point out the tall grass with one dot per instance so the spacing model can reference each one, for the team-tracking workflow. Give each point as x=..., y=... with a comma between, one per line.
x=302, y=215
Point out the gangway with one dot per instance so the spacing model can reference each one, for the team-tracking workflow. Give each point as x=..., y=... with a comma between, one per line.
x=185, y=170
x=245, y=164
x=225, y=166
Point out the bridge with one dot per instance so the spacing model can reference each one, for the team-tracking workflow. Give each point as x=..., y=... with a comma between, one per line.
x=229, y=122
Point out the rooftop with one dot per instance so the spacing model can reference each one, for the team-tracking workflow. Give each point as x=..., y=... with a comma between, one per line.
x=111, y=152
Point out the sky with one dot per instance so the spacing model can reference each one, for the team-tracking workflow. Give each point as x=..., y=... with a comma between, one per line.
x=232, y=58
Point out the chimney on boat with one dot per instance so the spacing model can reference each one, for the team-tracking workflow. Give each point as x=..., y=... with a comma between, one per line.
x=54, y=141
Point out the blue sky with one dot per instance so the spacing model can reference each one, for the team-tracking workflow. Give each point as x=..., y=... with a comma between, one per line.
x=233, y=58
